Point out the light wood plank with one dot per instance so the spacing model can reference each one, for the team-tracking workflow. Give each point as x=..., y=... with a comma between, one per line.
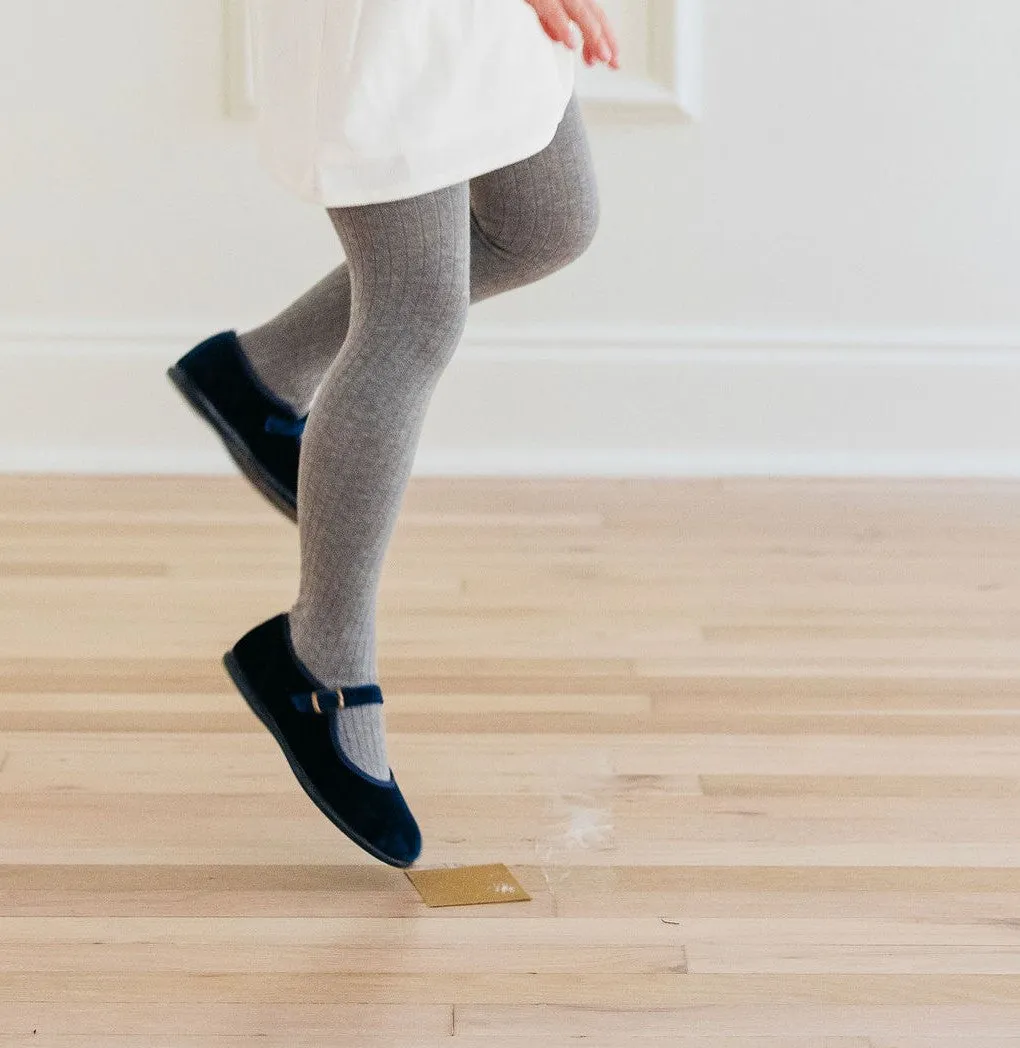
x=928, y=786
x=654, y=991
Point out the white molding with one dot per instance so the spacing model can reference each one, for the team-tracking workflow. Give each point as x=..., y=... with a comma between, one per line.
x=573, y=339
x=239, y=64
x=688, y=64
x=553, y=401
x=674, y=88
x=675, y=58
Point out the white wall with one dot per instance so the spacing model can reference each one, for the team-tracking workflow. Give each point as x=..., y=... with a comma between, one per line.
x=820, y=276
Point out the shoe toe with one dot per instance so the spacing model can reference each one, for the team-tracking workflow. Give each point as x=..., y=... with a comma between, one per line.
x=378, y=814
x=401, y=842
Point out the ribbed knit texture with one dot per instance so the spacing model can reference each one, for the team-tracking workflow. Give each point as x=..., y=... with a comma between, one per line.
x=369, y=343
x=527, y=220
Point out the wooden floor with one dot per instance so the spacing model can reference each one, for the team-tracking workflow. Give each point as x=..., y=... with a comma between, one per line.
x=753, y=746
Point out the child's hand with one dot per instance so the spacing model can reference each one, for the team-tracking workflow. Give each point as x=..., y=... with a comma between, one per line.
x=600, y=42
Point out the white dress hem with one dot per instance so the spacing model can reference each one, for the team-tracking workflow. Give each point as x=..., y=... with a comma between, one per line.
x=334, y=185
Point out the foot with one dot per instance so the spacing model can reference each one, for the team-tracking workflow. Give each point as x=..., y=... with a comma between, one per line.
x=294, y=707
x=261, y=433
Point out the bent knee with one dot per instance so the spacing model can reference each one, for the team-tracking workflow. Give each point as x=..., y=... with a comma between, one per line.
x=563, y=239
x=583, y=225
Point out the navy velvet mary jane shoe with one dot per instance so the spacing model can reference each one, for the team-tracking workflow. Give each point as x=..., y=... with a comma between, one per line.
x=292, y=705
x=261, y=433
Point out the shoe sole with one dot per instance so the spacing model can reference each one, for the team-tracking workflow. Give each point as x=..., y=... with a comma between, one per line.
x=233, y=667
x=246, y=462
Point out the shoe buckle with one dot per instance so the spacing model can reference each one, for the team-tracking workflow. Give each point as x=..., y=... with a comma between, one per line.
x=318, y=707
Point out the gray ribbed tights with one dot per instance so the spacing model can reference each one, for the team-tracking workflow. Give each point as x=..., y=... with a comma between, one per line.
x=364, y=350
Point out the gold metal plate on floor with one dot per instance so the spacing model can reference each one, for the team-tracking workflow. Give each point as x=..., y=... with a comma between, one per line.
x=467, y=885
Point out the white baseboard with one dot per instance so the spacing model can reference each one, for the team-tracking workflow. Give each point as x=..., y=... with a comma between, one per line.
x=577, y=402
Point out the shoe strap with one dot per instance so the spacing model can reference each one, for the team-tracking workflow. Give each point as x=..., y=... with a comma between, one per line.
x=286, y=427
x=323, y=699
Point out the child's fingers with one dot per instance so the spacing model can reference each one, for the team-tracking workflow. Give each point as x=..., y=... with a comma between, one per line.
x=609, y=36
x=554, y=21
x=584, y=14
x=558, y=17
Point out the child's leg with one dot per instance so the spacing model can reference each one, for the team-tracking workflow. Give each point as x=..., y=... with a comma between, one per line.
x=409, y=268
x=528, y=220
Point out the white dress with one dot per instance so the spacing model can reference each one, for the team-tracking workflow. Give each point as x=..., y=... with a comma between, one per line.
x=364, y=101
